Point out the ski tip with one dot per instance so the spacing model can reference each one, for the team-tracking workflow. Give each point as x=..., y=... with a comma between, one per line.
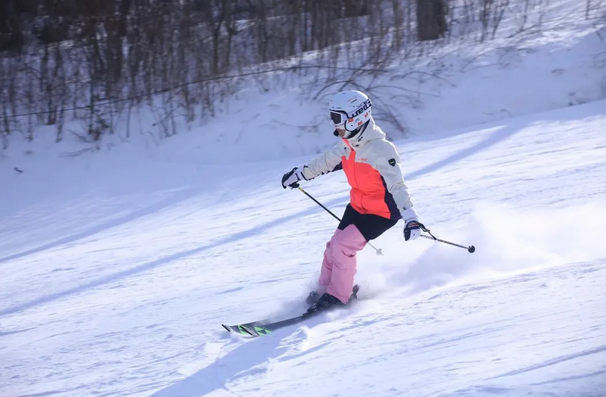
x=242, y=330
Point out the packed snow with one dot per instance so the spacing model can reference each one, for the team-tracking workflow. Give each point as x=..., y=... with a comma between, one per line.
x=118, y=267
x=116, y=283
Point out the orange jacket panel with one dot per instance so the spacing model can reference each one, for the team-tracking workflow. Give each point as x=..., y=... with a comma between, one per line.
x=368, y=193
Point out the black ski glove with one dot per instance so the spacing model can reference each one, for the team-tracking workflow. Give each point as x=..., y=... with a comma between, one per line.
x=291, y=178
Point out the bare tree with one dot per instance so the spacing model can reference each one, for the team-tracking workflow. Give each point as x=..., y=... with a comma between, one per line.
x=11, y=34
x=431, y=19
x=95, y=61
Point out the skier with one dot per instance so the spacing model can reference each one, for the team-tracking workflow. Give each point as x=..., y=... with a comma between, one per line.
x=378, y=197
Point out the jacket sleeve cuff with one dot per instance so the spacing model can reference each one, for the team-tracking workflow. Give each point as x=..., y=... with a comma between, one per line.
x=306, y=173
x=409, y=214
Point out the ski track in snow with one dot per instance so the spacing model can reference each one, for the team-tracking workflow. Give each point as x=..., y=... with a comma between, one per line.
x=118, y=285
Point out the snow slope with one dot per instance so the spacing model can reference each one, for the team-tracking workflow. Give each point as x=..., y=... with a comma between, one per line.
x=115, y=274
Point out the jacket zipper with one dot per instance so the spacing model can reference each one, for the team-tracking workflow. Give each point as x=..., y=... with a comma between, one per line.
x=355, y=177
x=353, y=170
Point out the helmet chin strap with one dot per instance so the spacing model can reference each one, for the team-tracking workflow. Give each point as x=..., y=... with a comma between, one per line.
x=352, y=133
x=357, y=130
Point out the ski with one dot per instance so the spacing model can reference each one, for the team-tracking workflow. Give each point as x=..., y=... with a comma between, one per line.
x=259, y=328
x=244, y=329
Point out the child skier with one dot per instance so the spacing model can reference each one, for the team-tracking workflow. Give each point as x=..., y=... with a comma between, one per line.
x=378, y=197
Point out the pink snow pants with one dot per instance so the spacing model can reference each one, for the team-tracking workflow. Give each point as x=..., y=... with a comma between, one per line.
x=339, y=265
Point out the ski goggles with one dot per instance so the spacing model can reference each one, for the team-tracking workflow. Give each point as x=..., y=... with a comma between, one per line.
x=338, y=118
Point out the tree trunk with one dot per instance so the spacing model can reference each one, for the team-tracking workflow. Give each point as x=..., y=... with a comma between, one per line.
x=431, y=19
x=11, y=36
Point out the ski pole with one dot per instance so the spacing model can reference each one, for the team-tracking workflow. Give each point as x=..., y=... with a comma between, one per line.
x=379, y=251
x=319, y=203
x=471, y=249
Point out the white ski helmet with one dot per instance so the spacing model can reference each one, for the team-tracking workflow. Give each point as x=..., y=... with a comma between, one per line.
x=350, y=110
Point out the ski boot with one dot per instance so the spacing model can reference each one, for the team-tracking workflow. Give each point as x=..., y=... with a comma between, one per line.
x=354, y=294
x=327, y=301
x=312, y=298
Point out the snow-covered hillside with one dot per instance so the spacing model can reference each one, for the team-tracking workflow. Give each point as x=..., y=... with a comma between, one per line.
x=557, y=60
x=116, y=275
